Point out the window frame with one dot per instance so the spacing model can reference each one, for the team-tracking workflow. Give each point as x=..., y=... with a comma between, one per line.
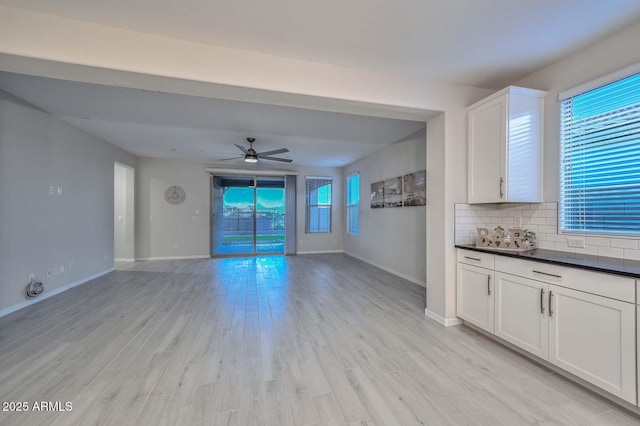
x=352, y=206
x=566, y=95
x=308, y=206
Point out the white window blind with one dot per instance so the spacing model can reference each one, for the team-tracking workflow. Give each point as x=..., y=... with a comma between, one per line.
x=353, y=204
x=600, y=159
x=318, y=204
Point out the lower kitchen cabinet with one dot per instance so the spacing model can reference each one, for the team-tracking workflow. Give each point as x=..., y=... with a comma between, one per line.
x=593, y=337
x=475, y=296
x=553, y=313
x=521, y=313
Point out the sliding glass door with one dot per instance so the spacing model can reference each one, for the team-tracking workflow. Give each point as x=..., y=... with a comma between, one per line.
x=247, y=215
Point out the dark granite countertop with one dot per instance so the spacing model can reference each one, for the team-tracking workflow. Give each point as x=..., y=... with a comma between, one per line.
x=629, y=268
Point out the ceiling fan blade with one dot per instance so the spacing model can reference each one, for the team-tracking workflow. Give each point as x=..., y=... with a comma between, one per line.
x=284, y=160
x=232, y=158
x=276, y=151
x=242, y=148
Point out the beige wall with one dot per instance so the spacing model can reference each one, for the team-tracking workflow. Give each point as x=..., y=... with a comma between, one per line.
x=39, y=231
x=394, y=239
x=164, y=230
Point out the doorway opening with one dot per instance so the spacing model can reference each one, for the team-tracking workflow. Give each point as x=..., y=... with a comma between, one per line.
x=123, y=212
x=248, y=215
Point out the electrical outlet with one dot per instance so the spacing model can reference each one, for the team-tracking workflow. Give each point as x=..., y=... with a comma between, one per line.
x=71, y=265
x=51, y=190
x=519, y=222
x=176, y=246
x=575, y=242
x=49, y=272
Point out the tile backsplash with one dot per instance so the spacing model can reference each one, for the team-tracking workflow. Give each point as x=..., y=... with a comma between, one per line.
x=542, y=218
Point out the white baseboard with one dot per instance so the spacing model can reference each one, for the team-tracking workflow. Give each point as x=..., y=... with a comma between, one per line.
x=48, y=294
x=447, y=322
x=175, y=257
x=122, y=259
x=389, y=270
x=320, y=252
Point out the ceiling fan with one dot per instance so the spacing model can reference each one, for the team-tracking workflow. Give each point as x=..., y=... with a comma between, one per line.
x=251, y=156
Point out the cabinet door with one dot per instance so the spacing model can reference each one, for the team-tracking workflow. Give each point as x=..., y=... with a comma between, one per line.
x=487, y=150
x=521, y=313
x=593, y=337
x=475, y=296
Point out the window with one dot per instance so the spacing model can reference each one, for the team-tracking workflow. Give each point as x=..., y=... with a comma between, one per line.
x=318, y=195
x=353, y=204
x=600, y=159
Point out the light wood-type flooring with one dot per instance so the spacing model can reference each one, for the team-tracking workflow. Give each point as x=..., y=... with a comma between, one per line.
x=301, y=340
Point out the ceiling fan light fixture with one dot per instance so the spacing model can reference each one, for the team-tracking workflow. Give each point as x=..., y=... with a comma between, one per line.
x=251, y=158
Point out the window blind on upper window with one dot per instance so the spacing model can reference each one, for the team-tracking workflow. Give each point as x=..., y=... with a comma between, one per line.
x=318, y=204
x=353, y=204
x=600, y=159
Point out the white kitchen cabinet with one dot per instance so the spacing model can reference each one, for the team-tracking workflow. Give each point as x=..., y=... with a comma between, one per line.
x=505, y=147
x=593, y=337
x=583, y=322
x=521, y=313
x=475, y=296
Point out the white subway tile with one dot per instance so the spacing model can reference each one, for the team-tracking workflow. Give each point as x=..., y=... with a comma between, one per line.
x=610, y=252
x=552, y=221
x=624, y=243
x=557, y=238
x=546, y=213
x=546, y=245
x=597, y=241
x=546, y=228
x=565, y=248
x=538, y=221
x=632, y=254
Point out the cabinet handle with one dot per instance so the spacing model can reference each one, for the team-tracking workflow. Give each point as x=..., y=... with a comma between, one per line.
x=501, y=191
x=550, y=310
x=546, y=273
x=472, y=258
x=489, y=285
x=541, y=302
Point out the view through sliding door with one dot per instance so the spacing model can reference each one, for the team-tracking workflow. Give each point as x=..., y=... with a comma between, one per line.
x=248, y=215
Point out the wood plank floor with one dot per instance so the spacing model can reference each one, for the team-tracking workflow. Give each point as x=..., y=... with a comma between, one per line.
x=302, y=340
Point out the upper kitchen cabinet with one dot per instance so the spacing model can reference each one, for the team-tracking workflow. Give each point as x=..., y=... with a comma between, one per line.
x=505, y=147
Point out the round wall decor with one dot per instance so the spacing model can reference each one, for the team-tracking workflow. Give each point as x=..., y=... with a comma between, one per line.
x=174, y=195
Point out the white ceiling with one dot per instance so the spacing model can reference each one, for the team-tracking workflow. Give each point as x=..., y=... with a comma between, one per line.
x=165, y=125
x=483, y=43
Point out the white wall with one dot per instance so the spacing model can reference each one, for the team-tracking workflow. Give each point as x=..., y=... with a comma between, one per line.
x=597, y=60
x=320, y=242
x=604, y=57
x=394, y=238
x=39, y=231
x=165, y=230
